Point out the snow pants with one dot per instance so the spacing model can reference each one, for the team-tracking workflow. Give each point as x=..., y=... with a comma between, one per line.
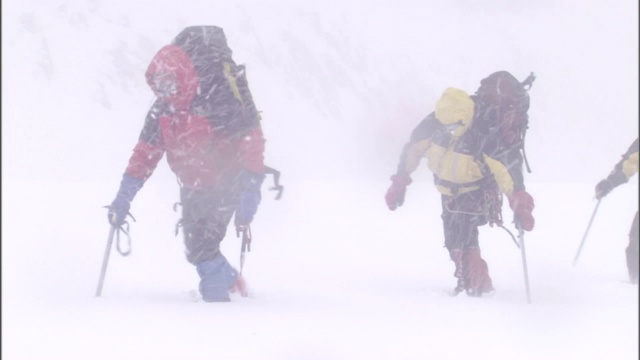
x=461, y=217
x=206, y=214
x=632, y=251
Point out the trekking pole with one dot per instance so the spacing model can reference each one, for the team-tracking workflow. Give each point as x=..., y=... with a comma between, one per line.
x=575, y=259
x=524, y=261
x=105, y=260
x=246, y=243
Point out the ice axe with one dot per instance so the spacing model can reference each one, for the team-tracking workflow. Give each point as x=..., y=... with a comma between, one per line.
x=524, y=260
x=276, y=181
x=114, y=231
x=246, y=230
x=584, y=237
x=246, y=242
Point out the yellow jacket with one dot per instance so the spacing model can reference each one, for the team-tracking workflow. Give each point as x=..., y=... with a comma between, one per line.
x=461, y=164
x=626, y=167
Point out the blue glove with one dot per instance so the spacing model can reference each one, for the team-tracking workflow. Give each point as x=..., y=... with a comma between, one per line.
x=249, y=198
x=120, y=206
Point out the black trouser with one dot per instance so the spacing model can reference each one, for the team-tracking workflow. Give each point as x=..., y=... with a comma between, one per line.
x=632, y=252
x=206, y=213
x=461, y=216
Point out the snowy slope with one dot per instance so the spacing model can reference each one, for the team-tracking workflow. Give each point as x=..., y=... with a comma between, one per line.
x=332, y=273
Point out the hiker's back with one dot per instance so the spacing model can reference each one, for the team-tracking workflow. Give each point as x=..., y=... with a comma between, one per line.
x=223, y=95
x=501, y=118
x=204, y=117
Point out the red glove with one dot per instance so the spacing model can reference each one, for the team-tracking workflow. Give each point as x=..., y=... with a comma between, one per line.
x=395, y=194
x=522, y=205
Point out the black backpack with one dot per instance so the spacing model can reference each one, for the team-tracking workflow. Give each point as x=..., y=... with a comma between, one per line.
x=503, y=103
x=223, y=92
x=224, y=96
x=499, y=127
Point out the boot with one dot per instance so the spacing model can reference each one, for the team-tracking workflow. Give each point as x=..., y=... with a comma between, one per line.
x=217, y=278
x=240, y=286
x=632, y=263
x=456, y=257
x=476, y=273
x=632, y=252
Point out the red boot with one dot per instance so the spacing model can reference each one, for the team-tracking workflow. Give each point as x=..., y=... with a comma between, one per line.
x=476, y=273
x=240, y=286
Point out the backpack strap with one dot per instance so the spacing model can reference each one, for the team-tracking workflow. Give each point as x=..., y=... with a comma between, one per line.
x=492, y=193
x=455, y=187
x=526, y=84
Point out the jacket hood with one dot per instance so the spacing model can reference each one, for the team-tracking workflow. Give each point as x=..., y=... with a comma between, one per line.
x=455, y=110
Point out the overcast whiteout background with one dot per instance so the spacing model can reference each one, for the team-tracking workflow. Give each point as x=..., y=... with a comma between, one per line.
x=332, y=273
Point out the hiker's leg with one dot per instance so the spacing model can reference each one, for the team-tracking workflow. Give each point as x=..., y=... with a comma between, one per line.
x=205, y=217
x=632, y=252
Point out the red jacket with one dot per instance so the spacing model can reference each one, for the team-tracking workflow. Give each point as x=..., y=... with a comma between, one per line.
x=204, y=119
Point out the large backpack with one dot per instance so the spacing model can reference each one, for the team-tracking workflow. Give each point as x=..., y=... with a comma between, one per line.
x=500, y=126
x=219, y=87
x=503, y=102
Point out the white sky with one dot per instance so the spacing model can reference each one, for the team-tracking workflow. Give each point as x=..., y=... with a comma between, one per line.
x=333, y=274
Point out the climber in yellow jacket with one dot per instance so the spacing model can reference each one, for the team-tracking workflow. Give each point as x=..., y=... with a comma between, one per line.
x=473, y=165
x=622, y=171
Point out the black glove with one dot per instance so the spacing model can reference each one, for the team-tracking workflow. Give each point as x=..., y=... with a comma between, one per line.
x=249, y=197
x=605, y=186
x=120, y=206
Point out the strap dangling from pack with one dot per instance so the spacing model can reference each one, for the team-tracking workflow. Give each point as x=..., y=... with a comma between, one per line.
x=528, y=82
